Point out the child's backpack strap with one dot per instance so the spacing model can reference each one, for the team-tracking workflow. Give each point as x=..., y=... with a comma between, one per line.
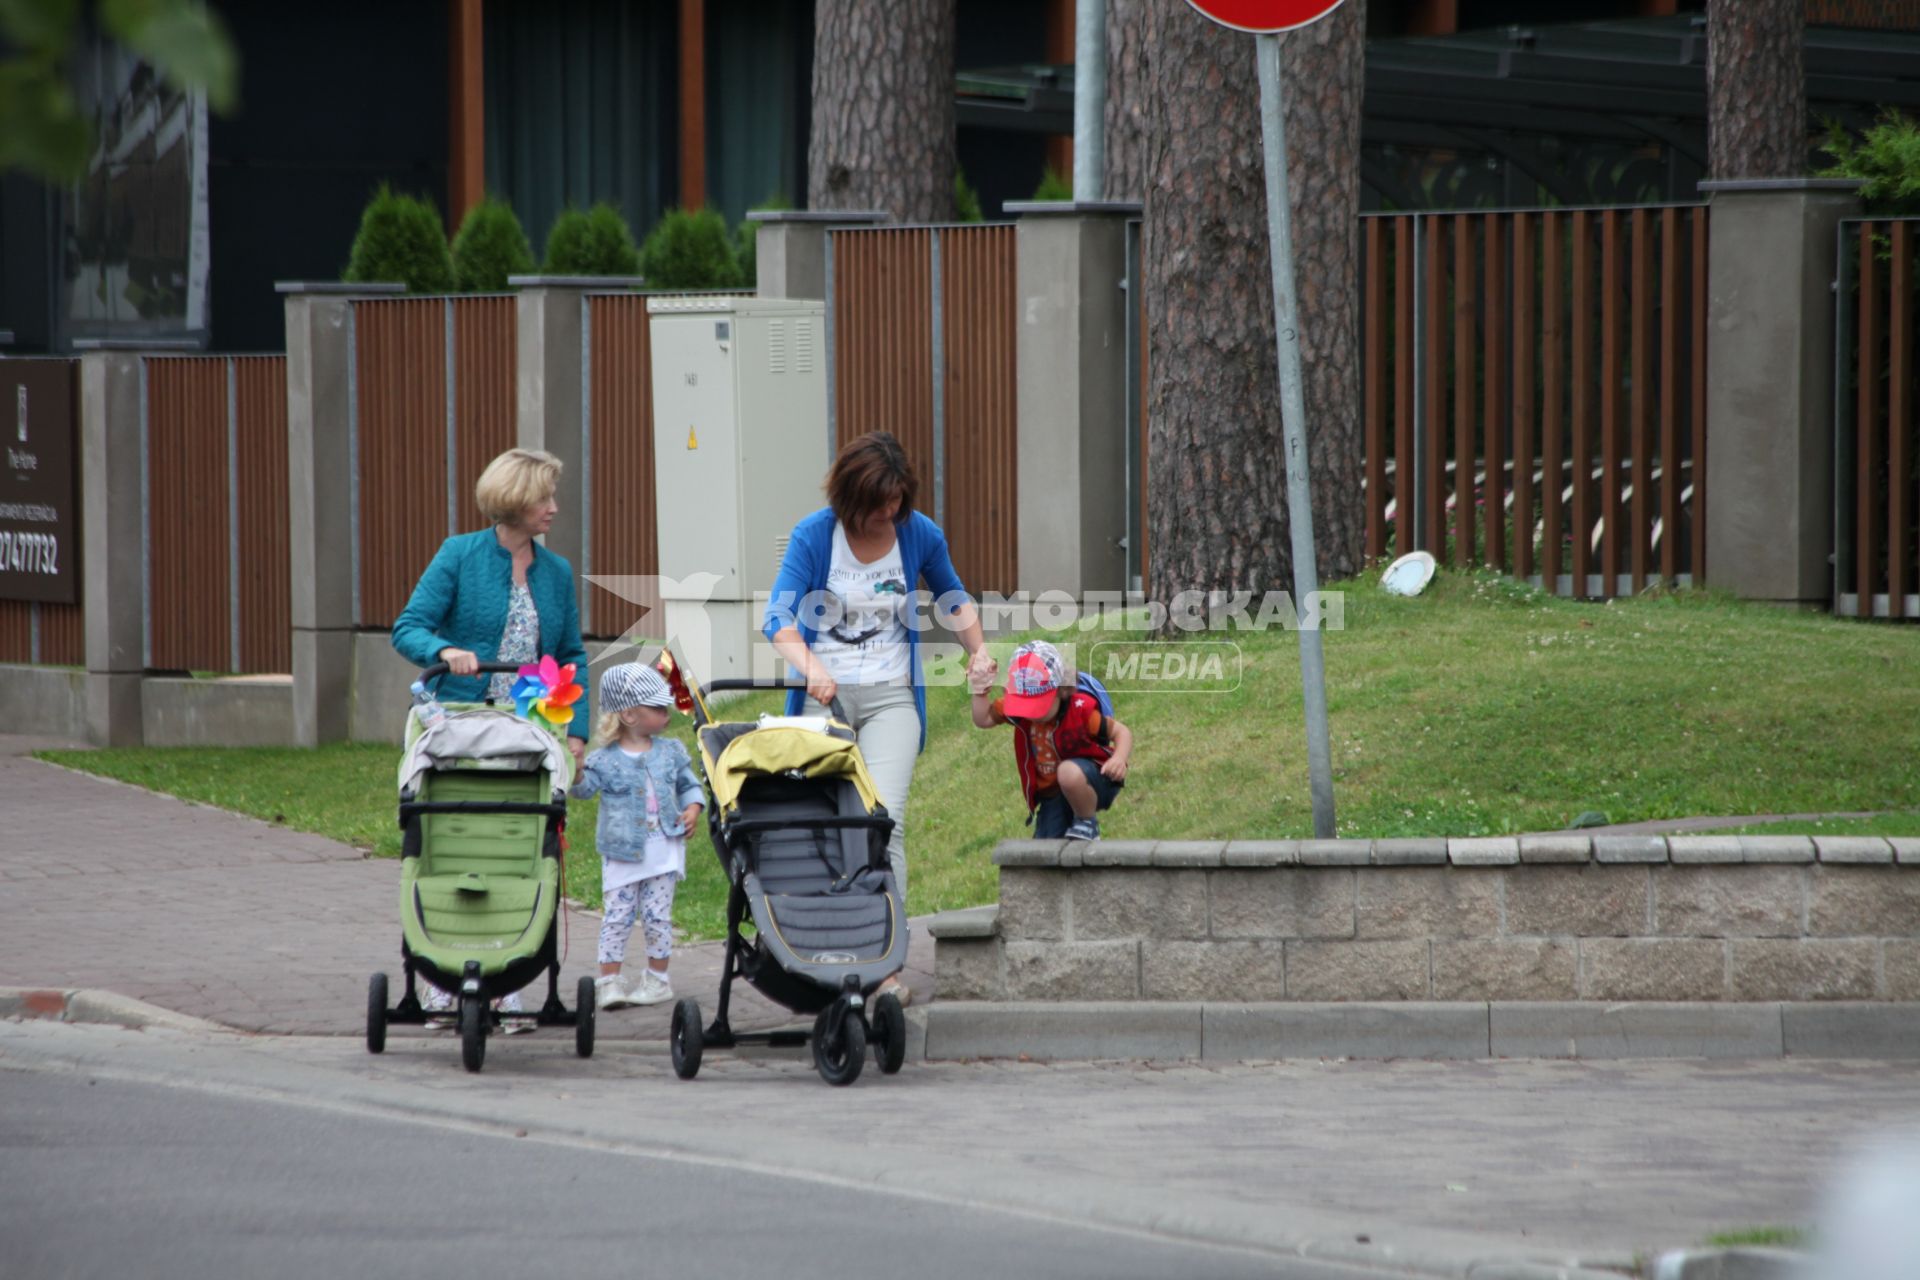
x=1097, y=691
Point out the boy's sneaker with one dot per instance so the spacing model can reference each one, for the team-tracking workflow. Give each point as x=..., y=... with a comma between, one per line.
x=611, y=993
x=1084, y=829
x=653, y=988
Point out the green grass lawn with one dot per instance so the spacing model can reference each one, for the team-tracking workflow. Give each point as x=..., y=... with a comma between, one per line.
x=1478, y=708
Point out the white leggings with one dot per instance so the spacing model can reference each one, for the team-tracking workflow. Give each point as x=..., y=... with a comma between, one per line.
x=887, y=724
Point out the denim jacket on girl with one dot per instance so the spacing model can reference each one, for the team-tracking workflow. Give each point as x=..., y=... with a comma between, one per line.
x=621, y=783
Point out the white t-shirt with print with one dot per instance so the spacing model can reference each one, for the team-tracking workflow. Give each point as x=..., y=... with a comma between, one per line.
x=863, y=636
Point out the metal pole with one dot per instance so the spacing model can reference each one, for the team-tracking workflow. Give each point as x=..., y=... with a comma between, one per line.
x=1306, y=584
x=1089, y=100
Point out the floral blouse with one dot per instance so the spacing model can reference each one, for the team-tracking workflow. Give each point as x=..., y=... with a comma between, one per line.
x=520, y=642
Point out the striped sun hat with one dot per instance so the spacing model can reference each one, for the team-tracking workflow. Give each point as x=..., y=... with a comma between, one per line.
x=633, y=684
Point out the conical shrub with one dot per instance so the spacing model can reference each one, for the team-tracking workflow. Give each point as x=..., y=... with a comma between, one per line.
x=489, y=247
x=595, y=242
x=401, y=239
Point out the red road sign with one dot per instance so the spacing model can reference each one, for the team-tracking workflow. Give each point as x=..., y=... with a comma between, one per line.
x=1265, y=15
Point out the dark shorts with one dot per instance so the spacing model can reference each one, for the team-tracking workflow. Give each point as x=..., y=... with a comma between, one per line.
x=1055, y=815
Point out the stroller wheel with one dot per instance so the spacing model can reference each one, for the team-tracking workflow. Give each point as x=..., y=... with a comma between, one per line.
x=839, y=1062
x=473, y=1032
x=377, y=1013
x=583, y=1018
x=889, y=1033
x=687, y=1038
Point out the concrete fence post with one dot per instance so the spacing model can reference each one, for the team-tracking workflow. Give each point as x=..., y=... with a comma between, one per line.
x=1770, y=322
x=322, y=502
x=1071, y=356
x=790, y=248
x=113, y=545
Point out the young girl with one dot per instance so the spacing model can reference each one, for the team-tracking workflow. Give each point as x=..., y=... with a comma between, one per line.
x=649, y=800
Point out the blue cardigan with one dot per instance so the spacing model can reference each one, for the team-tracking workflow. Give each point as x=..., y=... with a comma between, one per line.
x=923, y=554
x=461, y=603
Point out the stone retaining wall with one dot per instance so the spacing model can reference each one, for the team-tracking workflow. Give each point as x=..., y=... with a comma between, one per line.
x=1547, y=918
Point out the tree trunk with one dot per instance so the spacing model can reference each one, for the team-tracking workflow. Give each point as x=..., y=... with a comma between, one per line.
x=1756, y=89
x=883, y=108
x=1126, y=106
x=1217, y=509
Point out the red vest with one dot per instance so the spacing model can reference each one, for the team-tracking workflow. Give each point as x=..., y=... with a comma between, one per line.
x=1072, y=739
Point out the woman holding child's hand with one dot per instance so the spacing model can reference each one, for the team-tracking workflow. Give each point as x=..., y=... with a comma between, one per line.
x=841, y=615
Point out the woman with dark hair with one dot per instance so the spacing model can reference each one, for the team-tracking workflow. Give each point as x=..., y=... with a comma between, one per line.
x=841, y=615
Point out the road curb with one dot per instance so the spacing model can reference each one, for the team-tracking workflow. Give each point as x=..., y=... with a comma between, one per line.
x=1078, y=1031
x=101, y=1008
x=1734, y=1264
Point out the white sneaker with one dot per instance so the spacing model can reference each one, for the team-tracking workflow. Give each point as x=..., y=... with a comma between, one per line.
x=653, y=988
x=609, y=992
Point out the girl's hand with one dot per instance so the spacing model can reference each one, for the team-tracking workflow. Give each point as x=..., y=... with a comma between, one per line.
x=1114, y=768
x=689, y=814
x=461, y=662
x=579, y=748
x=981, y=670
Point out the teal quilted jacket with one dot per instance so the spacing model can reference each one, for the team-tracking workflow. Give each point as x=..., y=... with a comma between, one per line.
x=461, y=603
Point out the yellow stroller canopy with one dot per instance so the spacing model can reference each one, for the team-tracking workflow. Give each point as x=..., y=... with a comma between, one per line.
x=780, y=751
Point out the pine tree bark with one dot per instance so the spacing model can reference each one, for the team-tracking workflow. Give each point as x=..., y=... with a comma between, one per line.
x=883, y=108
x=1217, y=508
x=1126, y=107
x=1756, y=89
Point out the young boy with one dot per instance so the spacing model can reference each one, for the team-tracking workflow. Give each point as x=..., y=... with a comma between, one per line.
x=1072, y=759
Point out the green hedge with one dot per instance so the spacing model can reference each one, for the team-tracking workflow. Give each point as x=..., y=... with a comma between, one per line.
x=401, y=239
x=489, y=247
x=596, y=242
x=691, y=250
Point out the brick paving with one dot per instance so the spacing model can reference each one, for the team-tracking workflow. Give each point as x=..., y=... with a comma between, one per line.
x=223, y=917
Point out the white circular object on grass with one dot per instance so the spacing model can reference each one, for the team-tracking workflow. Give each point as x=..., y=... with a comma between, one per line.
x=1409, y=575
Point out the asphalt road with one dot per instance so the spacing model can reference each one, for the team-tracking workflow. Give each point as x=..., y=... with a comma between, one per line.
x=115, y=1179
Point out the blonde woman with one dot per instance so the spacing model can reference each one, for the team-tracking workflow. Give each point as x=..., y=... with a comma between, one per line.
x=497, y=595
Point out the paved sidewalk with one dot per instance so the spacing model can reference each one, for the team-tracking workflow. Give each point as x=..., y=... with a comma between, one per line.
x=227, y=918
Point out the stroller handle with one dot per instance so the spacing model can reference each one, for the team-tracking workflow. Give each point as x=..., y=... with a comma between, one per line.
x=439, y=669
x=725, y=683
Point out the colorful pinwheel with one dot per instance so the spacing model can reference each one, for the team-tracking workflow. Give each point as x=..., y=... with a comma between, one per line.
x=546, y=687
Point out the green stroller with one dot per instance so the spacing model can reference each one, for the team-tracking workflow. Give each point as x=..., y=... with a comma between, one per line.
x=483, y=802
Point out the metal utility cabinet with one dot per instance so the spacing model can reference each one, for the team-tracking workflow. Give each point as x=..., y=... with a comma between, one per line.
x=740, y=449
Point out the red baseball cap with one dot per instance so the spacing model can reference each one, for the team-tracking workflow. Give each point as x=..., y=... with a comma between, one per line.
x=1033, y=680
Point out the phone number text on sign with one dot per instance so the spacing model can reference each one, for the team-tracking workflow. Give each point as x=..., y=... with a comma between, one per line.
x=29, y=552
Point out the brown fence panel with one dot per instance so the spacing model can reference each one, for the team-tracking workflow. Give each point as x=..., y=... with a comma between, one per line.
x=486, y=360
x=188, y=479
x=1879, y=437
x=63, y=637
x=401, y=441
x=623, y=539
x=1375, y=381
x=260, y=466
x=16, y=631
x=883, y=338
x=1555, y=401
x=978, y=317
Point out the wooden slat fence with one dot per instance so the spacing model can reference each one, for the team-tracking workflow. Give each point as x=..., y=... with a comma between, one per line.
x=217, y=590
x=435, y=387
x=1535, y=393
x=922, y=322
x=1876, y=437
